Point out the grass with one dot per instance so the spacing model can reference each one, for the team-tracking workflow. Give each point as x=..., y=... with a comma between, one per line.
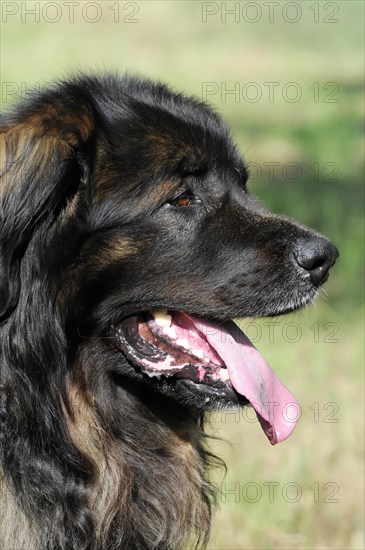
x=170, y=42
x=317, y=500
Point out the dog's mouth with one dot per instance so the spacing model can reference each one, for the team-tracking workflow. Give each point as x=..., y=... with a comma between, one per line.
x=174, y=345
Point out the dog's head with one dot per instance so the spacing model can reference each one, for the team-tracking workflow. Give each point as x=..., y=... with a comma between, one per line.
x=129, y=238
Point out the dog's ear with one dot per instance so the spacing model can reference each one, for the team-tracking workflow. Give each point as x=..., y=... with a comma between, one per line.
x=42, y=149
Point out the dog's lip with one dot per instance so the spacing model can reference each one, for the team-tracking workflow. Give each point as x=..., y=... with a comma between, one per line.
x=151, y=347
x=228, y=357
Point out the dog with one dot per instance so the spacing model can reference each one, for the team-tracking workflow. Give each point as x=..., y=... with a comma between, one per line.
x=128, y=243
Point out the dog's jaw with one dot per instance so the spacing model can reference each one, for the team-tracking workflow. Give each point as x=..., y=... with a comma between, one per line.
x=214, y=358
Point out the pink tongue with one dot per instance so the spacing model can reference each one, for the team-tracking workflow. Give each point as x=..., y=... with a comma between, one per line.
x=276, y=408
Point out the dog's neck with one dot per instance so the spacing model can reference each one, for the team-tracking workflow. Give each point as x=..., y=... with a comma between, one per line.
x=148, y=486
x=157, y=498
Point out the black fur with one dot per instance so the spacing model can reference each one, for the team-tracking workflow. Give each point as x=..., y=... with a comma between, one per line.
x=91, y=233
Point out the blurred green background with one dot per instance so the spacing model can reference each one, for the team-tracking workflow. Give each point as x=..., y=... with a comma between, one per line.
x=296, y=69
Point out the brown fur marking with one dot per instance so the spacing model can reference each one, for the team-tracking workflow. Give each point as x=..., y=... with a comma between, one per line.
x=114, y=480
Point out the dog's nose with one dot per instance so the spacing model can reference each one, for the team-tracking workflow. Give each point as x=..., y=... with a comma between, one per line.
x=316, y=256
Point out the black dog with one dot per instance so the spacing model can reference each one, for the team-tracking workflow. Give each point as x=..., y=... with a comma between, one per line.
x=128, y=240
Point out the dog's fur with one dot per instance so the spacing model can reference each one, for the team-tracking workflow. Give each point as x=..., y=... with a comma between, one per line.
x=94, y=454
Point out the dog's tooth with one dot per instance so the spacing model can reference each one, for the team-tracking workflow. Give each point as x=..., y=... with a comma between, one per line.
x=223, y=374
x=170, y=332
x=161, y=317
x=198, y=353
x=144, y=371
x=183, y=342
x=151, y=374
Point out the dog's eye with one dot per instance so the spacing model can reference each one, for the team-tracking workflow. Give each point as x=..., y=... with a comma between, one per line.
x=184, y=199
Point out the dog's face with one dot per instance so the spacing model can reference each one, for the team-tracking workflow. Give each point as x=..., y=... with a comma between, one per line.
x=149, y=242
